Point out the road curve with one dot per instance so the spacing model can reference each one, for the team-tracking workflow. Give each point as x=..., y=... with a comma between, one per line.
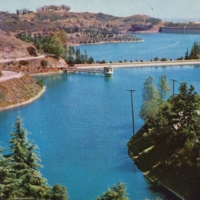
x=22, y=58
x=7, y=75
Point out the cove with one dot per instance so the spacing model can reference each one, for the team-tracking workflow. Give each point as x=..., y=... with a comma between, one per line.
x=82, y=124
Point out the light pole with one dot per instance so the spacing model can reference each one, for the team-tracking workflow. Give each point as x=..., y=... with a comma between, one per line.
x=131, y=92
x=173, y=85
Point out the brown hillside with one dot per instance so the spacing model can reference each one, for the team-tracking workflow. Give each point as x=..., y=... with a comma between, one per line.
x=18, y=90
x=11, y=47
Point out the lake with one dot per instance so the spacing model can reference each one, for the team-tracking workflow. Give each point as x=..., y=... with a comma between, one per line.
x=83, y=122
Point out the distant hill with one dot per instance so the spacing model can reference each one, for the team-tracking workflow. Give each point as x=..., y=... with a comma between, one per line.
x=80, y=27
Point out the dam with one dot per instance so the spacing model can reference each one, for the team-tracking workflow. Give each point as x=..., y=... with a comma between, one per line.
x=183, y=30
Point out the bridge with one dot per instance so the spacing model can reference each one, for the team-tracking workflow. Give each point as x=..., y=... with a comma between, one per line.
x=88, y=70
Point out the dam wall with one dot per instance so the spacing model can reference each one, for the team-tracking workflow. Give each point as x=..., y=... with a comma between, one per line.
x=183, y=30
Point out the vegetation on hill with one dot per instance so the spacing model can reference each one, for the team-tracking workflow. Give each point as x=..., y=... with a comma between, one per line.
x=19, y=170
x=167, y=147
x=54, y=44
x=51, y=8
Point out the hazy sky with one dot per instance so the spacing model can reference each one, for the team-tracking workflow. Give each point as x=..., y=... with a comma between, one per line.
x=164, y=9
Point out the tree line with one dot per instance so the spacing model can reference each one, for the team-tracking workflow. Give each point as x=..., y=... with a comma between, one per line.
x=53, y=8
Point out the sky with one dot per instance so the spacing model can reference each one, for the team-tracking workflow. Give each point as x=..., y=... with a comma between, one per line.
x=163, y=9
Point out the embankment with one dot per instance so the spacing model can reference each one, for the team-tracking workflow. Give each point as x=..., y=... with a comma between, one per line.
x=18, y=91
x=184, y=30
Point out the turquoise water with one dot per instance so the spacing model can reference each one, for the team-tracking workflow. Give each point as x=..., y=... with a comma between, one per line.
x=82, y=124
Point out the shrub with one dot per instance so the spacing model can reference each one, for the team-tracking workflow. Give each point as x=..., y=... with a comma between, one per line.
x=23, y=62
x=156, y=59
x=103, y=62
x=44, y=63
x=32, y=51
x=163, y=59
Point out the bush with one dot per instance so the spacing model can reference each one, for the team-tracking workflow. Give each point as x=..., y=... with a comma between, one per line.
x=23, y=62
x=156, y=59
x=103, y=62
x=44, y=63
x=32, y=51
x=163, y=59
x=40, y=82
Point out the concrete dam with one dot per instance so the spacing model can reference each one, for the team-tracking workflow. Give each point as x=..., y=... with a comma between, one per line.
x=183, y=30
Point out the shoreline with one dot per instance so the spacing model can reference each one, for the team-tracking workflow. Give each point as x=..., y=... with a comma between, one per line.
x=164, y=186
x=46, y=73
x=106, y=42
x=25, y=102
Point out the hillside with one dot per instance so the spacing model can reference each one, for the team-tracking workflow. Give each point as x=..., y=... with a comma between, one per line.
x=80, y=27
x=11, y=47
x=18, y=90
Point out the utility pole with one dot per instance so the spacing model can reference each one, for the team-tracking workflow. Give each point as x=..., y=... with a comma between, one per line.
x=173, y=85
x=131, y=92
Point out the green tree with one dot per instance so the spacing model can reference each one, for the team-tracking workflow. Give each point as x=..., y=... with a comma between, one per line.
x=58, y=192
x=151, y=100
x=156, y=59
x=186, y=106
x=195, y=51
x=8, y=183
x=187, y=55
x=55, y=47
x=25, y=162
x=149, y=90
x=115, y=193
x=163, y=87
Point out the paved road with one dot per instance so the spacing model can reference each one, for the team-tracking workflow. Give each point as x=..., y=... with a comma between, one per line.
x=18, y=59
x=7, y=75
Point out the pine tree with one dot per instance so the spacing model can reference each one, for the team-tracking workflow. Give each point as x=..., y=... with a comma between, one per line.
x=25, y=162
x=8, y=183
